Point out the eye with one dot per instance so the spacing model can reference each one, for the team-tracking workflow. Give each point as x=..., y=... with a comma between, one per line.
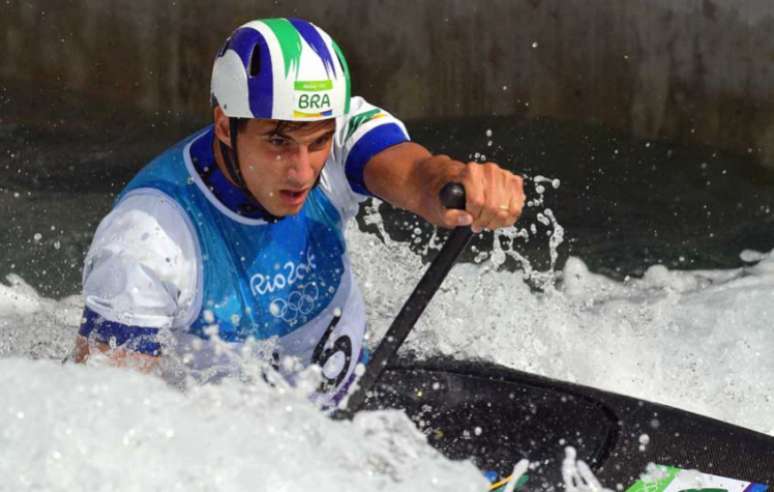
x=277, y=141
x=321, y=142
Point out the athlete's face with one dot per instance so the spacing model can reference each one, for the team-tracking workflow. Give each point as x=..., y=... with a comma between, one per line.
x=281, y=165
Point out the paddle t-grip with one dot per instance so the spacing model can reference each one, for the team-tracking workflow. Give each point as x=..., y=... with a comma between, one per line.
x=452, y=195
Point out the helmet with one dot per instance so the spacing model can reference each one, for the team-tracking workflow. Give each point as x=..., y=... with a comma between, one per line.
x=282, y=69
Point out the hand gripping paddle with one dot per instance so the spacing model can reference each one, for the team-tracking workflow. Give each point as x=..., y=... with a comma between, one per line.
x=452, y=196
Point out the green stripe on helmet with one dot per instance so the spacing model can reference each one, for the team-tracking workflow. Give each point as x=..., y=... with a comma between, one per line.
x=289, y=41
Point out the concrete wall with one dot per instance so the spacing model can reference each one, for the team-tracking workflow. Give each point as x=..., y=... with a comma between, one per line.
x=698, y=71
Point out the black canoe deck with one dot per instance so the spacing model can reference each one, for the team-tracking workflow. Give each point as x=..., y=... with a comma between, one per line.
x=497, y=416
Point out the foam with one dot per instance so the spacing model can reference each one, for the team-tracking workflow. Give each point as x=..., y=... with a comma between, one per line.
x=77, y=427
x=692, y=339
x=695, y=340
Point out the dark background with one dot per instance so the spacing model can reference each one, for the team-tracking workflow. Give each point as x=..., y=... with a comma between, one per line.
x=689, y=71
x=657, y=115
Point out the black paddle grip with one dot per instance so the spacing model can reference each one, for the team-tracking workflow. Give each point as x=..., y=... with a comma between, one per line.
x=452, y=195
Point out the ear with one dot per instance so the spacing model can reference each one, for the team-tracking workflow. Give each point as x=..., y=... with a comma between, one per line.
x=222, y=128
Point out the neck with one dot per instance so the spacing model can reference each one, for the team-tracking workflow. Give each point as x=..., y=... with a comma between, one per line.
x=219, y=160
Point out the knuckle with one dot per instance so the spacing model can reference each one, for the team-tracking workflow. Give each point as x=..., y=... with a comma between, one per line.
x=491, y=167
x=472, y=168
x=477, y=202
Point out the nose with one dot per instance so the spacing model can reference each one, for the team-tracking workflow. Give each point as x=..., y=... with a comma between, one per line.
x=301, y=171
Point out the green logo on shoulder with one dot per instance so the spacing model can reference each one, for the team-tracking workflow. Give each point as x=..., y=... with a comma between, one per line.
x=360, y=119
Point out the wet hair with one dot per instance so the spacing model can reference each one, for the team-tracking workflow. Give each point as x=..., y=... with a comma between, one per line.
x=289, y=126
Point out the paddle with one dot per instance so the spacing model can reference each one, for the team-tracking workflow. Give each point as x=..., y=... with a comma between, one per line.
x=452, y=196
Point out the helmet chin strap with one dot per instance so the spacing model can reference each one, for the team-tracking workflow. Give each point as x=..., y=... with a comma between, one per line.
x=231, y=157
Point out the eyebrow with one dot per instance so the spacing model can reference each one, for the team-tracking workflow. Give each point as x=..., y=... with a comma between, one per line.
x=282, y=134
x=329, y=133
x=272, y=131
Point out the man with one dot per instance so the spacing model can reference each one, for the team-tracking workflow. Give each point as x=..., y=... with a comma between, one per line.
x=229, y=246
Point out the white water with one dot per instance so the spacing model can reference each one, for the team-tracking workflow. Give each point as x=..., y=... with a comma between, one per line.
x=696, y=340
x=85, y=428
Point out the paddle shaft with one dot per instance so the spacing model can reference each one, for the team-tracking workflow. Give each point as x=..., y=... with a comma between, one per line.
x=452, y=196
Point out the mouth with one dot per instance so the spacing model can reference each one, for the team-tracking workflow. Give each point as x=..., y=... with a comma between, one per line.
x=293, y=197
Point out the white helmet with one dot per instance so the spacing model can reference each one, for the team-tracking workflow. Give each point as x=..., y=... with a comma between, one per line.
x=282, y=69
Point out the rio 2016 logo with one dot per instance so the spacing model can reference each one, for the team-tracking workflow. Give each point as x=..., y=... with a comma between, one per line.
x=289, y=274
x=299, y=304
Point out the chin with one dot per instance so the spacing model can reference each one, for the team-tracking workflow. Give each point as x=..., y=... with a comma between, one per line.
x=284, y=210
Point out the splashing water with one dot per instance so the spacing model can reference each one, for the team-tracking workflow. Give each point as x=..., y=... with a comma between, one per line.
x=90, y=428
x=577, y=475
x=672, y=336
x=695, y=340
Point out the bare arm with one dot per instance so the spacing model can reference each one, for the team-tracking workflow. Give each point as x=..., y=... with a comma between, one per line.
x=118, y=357
x=408, y=176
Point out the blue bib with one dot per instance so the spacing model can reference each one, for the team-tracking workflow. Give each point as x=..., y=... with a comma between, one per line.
x=287, y=280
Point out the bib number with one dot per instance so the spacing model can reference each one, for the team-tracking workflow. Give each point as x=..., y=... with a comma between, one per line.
x=333, y=357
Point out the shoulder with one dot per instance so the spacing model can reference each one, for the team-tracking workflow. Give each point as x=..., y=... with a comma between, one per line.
x=146, y=217
x=361, y=119
x=363, y=132
x=143, y=262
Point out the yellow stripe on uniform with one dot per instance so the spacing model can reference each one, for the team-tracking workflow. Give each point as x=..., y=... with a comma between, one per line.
x=499, y=484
